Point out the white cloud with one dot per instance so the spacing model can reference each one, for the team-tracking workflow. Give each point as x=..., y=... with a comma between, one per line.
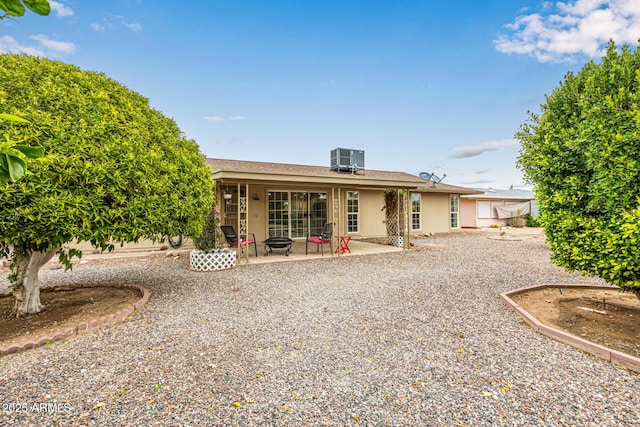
x=10, y=45
x=56, y=46
x=133, y=26
x=44, y=46
x=485, y=181
x=466, y=151
x=59, y=9
x=577, y=28
x=220, y=119
x=112, y=22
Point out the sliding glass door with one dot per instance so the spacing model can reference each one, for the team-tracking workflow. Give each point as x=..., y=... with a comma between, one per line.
x=299, y=215
x=278, y=205
x=296, y=214
x=318, y=209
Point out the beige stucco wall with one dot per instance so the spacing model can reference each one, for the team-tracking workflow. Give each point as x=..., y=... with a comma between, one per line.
x=435, y=213
x=468, y=213
x=141, y=245
x=371, y=203
x=372, y=216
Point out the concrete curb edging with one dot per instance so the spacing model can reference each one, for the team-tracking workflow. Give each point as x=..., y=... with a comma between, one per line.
x=81, y=328
x=604, y=353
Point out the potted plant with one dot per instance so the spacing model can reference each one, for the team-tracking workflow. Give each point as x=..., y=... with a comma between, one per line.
x=210, y=255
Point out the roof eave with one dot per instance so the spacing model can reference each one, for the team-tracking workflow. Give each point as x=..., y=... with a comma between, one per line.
x=345, y=181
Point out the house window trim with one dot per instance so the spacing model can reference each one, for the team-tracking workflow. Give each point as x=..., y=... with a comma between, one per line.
x=418, y=213
x=355, y=214
x=452, y=212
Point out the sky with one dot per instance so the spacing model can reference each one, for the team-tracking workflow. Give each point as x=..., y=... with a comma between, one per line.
x=420, y=86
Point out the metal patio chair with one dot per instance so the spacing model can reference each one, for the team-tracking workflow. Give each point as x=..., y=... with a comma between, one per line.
x=232, y=239
x=322, y=239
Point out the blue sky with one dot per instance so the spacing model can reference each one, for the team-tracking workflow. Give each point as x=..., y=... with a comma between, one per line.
x=419, y=85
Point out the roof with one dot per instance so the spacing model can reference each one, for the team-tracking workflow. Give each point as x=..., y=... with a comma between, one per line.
x=492, y=193
x=441, y=187
x=282, y=172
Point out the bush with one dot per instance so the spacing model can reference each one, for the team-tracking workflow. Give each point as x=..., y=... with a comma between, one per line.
x=517, y=222
x=532, y=222
x=581, y=154
x=211, y=237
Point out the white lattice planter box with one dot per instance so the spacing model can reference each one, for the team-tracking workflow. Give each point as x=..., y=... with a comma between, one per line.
x=396, y=241
x=218, y=259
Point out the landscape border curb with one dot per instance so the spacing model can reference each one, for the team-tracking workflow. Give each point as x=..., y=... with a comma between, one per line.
x=604, y=353
x=83, y=327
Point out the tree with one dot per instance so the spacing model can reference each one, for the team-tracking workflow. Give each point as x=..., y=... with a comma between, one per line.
x=581, y=153
x=17, y=7
x=13, y=156
x=115, y=170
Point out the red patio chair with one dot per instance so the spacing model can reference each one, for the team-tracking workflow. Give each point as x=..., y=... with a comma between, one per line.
x=324, y=238
x=232, y=238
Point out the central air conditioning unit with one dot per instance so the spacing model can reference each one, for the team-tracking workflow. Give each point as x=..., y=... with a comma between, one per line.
x=345, y=159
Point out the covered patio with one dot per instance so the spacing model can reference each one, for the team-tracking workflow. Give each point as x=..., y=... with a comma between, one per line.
x=263, y=200
x=297, y=253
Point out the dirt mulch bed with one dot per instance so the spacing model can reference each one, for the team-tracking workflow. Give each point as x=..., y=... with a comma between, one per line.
x=606, y=317
x=65, y=307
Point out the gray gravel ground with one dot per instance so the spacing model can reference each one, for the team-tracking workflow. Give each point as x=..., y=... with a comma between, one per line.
x=412, y=338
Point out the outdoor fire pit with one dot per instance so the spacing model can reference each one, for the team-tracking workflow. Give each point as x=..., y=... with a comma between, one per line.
x=277, y=243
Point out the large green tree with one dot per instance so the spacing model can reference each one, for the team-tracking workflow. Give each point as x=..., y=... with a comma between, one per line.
x=13, y=156
x=115, y=170
x=17, y=7
x=582, y=155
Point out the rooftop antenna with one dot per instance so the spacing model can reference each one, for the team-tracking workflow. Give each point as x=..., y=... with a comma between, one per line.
x=435, y=179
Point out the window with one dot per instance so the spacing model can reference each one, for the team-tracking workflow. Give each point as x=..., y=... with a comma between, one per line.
x=353, y=212
x=484, y=209
x=455, y=210
x=416, y=211
x=296, y=214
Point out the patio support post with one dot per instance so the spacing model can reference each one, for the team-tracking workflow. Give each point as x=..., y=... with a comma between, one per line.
x=407, y=212
x=335, y=215
x=341, y=228
x=242, y=221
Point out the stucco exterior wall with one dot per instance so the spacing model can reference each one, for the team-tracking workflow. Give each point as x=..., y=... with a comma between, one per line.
x=435, y=213
x=468, y=213
x=372, y=215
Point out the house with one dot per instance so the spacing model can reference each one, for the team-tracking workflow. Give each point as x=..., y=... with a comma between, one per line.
x=494, y=206
x=437, y=208
x=287, y=200
x=295, y=201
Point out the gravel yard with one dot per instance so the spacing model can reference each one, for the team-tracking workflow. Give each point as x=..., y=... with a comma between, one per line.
x=412, y=338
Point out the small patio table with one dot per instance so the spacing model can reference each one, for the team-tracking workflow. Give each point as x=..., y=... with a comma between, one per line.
x=277, y=243
x=344, y=244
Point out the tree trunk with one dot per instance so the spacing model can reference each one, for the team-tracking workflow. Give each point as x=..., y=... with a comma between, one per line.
x=25, y=283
